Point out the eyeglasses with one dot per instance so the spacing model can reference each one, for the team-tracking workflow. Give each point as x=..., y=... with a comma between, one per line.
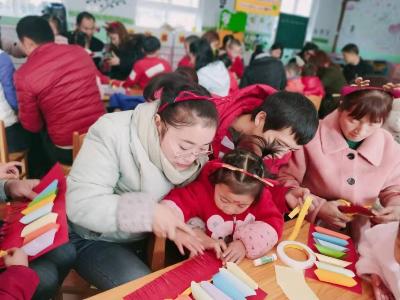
x=189, y=153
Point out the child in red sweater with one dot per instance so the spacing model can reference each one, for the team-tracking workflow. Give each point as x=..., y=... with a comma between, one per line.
x=18, y=281
x=234, y=51
x=233, y=199
x=149, y=66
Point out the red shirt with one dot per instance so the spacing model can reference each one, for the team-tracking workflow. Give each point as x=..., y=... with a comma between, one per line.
x=219, y=224
x=237, y=67
x=185, y=62
x=145, y=69
x=18, y=282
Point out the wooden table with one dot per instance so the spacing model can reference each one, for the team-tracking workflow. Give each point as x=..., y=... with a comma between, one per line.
x=264, y=275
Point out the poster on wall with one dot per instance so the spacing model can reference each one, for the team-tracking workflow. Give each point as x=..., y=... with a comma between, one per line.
x=374, y=26
x=259, y=7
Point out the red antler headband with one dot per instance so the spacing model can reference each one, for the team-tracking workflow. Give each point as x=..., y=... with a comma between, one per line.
x=395, y=93
x=184, y=96
x=266, y=181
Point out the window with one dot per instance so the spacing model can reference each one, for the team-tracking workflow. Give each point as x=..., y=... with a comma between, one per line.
x=177, y=13
x=19, y=8
x=297, y=7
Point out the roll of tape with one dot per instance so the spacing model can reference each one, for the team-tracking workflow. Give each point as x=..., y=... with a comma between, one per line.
x=301, y=265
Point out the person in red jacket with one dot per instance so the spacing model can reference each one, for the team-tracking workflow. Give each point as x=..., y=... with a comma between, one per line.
x=234, y=51
x=288, y=120
x=18, y=281
x=185, y=60
x=56, y=88
x=231, y=196
x=149, y=66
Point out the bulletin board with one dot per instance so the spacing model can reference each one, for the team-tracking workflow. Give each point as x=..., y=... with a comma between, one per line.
x=291, y=31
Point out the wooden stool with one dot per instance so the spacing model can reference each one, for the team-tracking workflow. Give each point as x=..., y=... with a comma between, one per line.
x=77, y=141
x=5, y=156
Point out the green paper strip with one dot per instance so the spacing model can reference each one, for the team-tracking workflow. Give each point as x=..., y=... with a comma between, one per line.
x=330, y=252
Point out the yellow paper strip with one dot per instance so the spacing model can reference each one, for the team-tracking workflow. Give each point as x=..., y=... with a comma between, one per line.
x=3, y=253
x=240, y=274
x=198, y=293
x=300, y=218
x=294, y=212
x=40, y=204
x=335, y=278
x=47, y=219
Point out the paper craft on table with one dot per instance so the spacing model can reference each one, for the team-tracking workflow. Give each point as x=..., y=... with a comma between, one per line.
x=49, y=190
x=227, y=287
x=33, y=235
x=335, y=269
x=330, y=239
x=330, y=252
x=213, y=291
x=331, y=245
x=39, y=204
x=40, y=212
x=239, y=273
x=49, y=218
x=198, y=293
x=293, y=284
x=40, y=243
x=336, y=278
x=242, y=287
x=332, y=261
x=331, y=233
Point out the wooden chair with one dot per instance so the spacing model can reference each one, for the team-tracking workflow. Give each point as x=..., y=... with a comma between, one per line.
x=77, y=140
x=6, y=156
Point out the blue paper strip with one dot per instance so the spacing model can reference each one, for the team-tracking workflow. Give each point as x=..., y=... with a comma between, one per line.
x=227, y=287
x=330, y=239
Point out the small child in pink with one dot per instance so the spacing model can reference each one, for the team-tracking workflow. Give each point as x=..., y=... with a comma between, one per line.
x=379, y=260
x=231, y=198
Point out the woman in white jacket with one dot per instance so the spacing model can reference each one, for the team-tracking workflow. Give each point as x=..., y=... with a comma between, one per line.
x=128, y=162
x=212, y=74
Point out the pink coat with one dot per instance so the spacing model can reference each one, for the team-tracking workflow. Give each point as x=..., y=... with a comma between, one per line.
x=331, y=170
x=377, y=255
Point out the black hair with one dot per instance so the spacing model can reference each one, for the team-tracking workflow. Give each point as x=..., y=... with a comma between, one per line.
x=184, y=113
x=50, y=18
x=309, y=46
x=351, y=48
x=84, y=15
x=258, y=49
x=276, y=46
x=35, y=28
x=225, y=59
x=290, y=110
x=188, y=72
x=309, y=69
x=79, y=38
x=234, y=42
x=238, y=182
x=191, y=38
x=226, y=40
x=151, y=44
x=201, y=49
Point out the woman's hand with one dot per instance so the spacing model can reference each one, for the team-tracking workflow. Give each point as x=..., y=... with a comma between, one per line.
x=387, y=214
x=114, y=60
x=381, y=292
x=235, y=252
x=330, y=214
x=16, y=188
x=16, y=257
x=166, y=222
x=9, y=170
x=360, y=82
x=296, y=196
x=185, y=240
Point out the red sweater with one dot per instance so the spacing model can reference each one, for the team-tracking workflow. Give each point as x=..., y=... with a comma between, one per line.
x=18, y=282
x=237, y=67
x=145, y=69
x=185, y=62
x=57, y=91
x=219, y=224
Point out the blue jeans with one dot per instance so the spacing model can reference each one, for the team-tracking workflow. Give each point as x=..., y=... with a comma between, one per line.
x=107, y=265
x=52, y=268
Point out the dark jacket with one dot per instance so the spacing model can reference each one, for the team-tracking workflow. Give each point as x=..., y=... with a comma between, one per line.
x=363, y=69
x=332, y=79
x=265, y=70
x=96, y=46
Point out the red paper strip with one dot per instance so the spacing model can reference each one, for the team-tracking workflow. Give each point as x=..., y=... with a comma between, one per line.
x=356, y=209
x=351, y=256
x=12, y=228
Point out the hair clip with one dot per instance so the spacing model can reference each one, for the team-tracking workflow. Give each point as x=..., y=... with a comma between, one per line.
x=267, y=181
x=184, y=96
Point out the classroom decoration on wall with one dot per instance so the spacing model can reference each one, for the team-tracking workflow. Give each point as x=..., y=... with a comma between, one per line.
x=192, y=278
x=336, y=258
x=291, y=31
x=259, y=7
x=104, y=4
x=374, y=26
x=40, y=225
x=235, y=22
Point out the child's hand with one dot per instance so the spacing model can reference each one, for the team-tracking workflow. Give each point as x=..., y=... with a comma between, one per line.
x=387, y=214
x=166, y=222
x=16, y=257
x=193, y=244
x=381, y=292
x=9, y=170
x=296, y=196
x=331, y=214
x=235, y=252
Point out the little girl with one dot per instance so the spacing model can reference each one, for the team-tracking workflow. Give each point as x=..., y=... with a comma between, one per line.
x=380, y=259
x=232, y=198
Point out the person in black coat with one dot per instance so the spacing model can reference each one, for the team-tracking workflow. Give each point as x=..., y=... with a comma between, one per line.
x=355, y=65
x=124, y=50
x=266, y=70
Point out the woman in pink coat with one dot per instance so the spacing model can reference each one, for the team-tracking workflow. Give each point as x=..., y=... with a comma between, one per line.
x=351, y=157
